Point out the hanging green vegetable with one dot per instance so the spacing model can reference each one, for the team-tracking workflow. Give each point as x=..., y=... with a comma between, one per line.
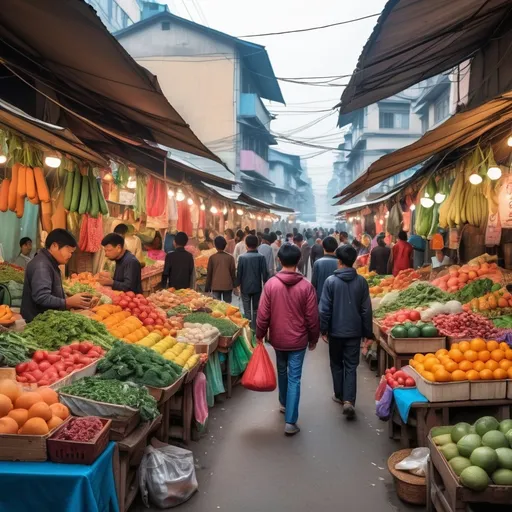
x=68, y=194
x=85, y=195
x=101, y=198
x=95, y=203
x=77, y=185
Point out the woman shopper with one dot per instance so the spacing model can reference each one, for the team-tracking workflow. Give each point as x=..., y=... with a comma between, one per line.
x=288, y=310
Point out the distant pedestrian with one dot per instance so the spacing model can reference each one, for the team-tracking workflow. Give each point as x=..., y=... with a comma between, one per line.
x=305, y=250
x=240, y=247
x=345, y=318
x=221, y=275
x=317, y=251
x=252, y=273
x=229, y=235
x=402, y=254
x=276, y=245
x=325, y=266
x=288, y=311
x=265, y=249
x=179, y=268
x=343, y=238
x=379, y=258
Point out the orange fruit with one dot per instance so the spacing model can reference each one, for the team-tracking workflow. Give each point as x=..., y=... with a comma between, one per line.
x=472, y=375
x=486, y=375
x=478, y=366
x=492, y=345
x=505, y=364
x=478, y=344
x=437, y=367
x=412, y=363
x=451, y=366
x=419, y=368
x=465, y=366
x=509, y=373
x=442, y=375
x=484, y=355
x=456, y=355
x=441, y=352
x=508, y=354
x=492, y=365
x=499, y=374
x=430, y=363
x=464, y=346
x=454, y=346
x=498, y=355
x=471, y=355
x=429, y=355
x=428, y=376
x=458, y=375
x=419, y=358
x=504, y=346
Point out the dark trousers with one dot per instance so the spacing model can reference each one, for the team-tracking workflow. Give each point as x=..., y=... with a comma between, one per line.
x=251, y=301
x=226, y=296
x=344, y=358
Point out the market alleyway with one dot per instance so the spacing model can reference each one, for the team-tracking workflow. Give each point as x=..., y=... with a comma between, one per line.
x=246, y=463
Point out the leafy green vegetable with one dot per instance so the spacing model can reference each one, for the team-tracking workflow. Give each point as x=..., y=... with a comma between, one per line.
x=225, y=326
x=504, y=322
x=9, y=273
x=180, y=309
x=115, y=392
x=73, y=289
x=13, y=349
x=473, y=290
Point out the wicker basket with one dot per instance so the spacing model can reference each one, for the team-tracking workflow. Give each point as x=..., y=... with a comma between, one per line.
x=409, y=488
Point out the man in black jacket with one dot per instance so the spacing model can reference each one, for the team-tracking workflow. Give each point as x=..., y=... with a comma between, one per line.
x=179, y=268
x=345, y=317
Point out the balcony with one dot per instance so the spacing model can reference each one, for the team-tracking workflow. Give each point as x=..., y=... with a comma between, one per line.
x=253, y=164
x=251, y=107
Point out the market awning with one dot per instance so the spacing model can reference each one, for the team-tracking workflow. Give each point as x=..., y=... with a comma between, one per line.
x=414, y=40
x=457, y=131
x=62, y=50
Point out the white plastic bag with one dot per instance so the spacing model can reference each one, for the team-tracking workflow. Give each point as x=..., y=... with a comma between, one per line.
x=167, y=476
x=416, y=463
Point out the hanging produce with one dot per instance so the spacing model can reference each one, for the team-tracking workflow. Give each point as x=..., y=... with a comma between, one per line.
x=140, y=195
x=425, y=217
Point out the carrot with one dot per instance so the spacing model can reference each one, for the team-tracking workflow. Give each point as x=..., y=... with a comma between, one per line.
x=4, y=195
x=22, y=181
x=41, y=186
x=34, y=201
x=20, y=206
x=31, y=184
x=46, y=216
x=13, y=189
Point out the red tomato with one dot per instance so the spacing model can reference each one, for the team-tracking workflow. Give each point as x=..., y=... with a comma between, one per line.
x=40, y=355
x=54, y=358
x=393, y=384
x=414, y=316
x=130, y=294
x=149, y=321
x=32, y=366
x=21, y=378
x=123, y=303
x=20, y=368
x=44, y=365
x=62, y=374
x=65, y=350
x=400, y=381
x=85, y=346
x=143, y=315
x=392, y=370
x=401, y=318
x=409, y=382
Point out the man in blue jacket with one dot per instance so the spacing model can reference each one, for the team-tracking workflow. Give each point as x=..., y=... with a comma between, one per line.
x=325, y=266
x=345, y=318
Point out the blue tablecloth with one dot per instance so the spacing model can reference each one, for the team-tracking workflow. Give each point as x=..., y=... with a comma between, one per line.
x=404, y=398
x=51, y=487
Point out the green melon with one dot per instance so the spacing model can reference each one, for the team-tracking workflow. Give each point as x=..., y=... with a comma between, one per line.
x=508, y=436
x=486, y=424
x=449, y=451
x=413, y=332
x=504, y=458
x=472, y=430
x=474, y=478
x=459, y=431
x=459, y=464
x=485, y=458
x=505, y=426
x=495, y=439
x=502, y=477
x=442, y=439
x=469, y=443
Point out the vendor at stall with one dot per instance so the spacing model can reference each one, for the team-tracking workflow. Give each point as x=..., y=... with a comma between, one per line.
x=127, y=275
x=25, y=255
x=440, y=259
x=42, y=289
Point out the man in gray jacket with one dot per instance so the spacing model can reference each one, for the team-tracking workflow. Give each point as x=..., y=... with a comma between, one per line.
x=325, y=266
x=345, y=318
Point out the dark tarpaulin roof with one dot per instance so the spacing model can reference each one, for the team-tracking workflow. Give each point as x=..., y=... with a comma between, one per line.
x=457, y=131
x=64, y=45
x=414, y=40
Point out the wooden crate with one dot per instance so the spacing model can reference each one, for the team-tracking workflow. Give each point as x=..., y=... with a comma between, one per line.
x=207, y=348
x=163, y=394
x=227, y=341
x=87, y=371
x=8, y=373
x=488, y=389
x=121, y=428
x=509, y=389
x=376, y=328
x=416, y=345
x=439, y=391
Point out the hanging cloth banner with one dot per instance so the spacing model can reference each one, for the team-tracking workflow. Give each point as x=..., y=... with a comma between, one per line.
x=505, y=202
x=493, y=230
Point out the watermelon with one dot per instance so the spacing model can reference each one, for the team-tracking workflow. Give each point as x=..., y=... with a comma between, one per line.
x=429, y=331
x=485, y=458
x=413, y=332
x=399, y=332
x=474, y=478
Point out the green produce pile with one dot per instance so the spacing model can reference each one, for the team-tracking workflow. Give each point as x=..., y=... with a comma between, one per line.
x=78, y=288
x=375, y=280
x=180, y=309
x=13, y=350
x=414, y=330
x=479, y=454
x=9, y=273
x=226, y=327
x=503, y=322
x=138, y=364
x=476, y=289
x=52, y=329
x=115, y=392
x=421, y=294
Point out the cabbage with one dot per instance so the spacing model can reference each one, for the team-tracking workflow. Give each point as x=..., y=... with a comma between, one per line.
x=452, y=307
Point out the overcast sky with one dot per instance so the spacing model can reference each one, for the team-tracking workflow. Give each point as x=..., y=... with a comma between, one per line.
x=331, y=51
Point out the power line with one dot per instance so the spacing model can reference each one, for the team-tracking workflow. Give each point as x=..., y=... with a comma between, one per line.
x=309, y=29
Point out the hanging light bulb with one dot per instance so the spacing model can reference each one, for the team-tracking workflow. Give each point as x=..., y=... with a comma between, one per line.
x=427, y=202
x=381, y=222
x=132, y=183
x=439, y=197
x=239, y=211
x=259, y=217
x=509, y=141
x=190, y=201
x=386, y=215
x=494, y=173
x=214, y=210
x=475, y=179
x=170, y=193
x=3, y=159
x=225, y=211
x=203, y=207
x=413, y=207
x=108, y=177
x=180, y=196
x=52, y=159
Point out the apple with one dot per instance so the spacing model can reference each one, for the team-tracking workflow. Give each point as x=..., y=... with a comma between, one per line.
x=392, y=370
x=400, y=381
x=409, y=382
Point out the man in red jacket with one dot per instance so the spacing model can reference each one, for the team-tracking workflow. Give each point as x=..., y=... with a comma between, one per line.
x=288, y=310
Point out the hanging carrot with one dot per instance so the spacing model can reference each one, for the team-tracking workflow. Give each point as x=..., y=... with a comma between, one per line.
x=22, y=181
x=34, y=201
x=46, y=215
x=31, y=184
x=4, y=195
x=41, y=186
x=13, y=188
x=20, y=206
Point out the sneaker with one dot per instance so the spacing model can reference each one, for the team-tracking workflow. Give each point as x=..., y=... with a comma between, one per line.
x=290, y=429
x=337, y=400
x=282, y=409
x=349, y=410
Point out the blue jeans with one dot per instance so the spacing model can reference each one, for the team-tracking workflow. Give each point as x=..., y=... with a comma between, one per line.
x=289, y=373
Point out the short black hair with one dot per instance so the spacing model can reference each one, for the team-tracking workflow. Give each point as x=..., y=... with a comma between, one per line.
x=279, y=233
x=113, y=239
x=247, y=229
x=289, y=255
x=298, y=238
x=220, y=243
x=253, y=232
x=289, y=235
x=121, y=229
x=357, y=243
x=267, y=238
x=25, y=240
x=273, y=237
x=181, y=239
x=381, y=242
x=252, y=241
x=61, y=237
x=344, y=234
x=330, y=244
x=240, y=234
x=347, y=255
x=402, y=235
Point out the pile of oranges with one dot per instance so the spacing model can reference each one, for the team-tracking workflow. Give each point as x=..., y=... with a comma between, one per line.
x=467, y=360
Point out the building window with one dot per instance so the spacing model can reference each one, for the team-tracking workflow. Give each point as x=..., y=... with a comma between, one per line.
x=442, y=108
x=424, y=122
x=393, y=119
x=166, y=25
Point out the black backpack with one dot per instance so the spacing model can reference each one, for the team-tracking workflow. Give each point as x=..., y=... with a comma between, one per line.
x=5, y=295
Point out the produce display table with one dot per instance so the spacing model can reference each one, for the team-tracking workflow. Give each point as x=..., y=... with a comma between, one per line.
x=229, y=379
x=131, y=449
x=387, y=357
x=164, y=406
x=47, y=486
x=425, y=416
x=151, y=279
